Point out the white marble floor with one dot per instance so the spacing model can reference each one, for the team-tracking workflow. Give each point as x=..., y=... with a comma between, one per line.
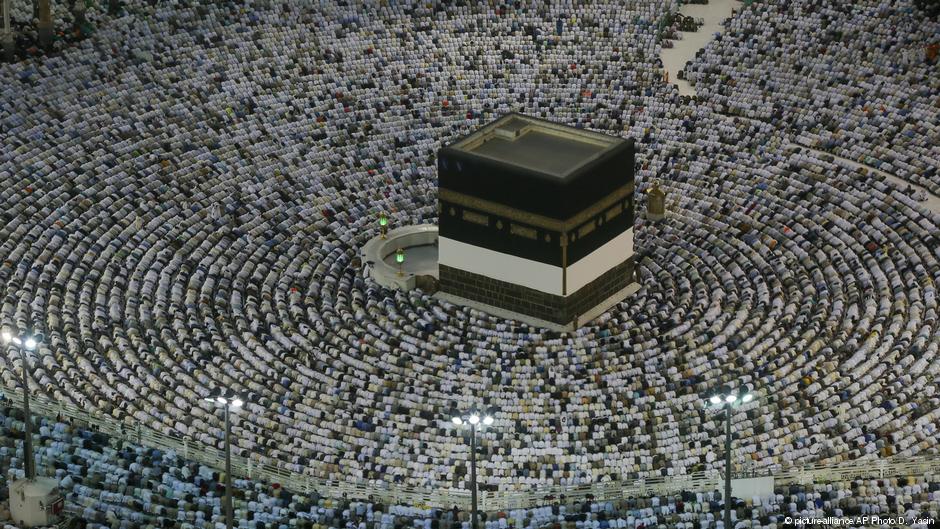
x=674, y=59
x=419, y=260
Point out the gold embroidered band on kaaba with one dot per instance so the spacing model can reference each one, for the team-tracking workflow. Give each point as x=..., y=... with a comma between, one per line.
x=532, y=219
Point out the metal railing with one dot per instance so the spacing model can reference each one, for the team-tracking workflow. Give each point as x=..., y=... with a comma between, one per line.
x=848, y=470
x=241, y=466
x=490, y=501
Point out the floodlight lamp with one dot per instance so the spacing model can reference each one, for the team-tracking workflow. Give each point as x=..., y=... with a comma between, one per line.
x=221, y=400
x=16, y=340
x=730, y=399
x=474, y=419
x=747, y=398
x=488, y=420
x=30, y=343
x=6, y=336
x=456, y=420
x=715, y=399
x=237, y=403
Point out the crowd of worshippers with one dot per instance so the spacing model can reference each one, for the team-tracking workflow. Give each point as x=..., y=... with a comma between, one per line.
x=864, y=86
x=112, y=484
x=184, y=196
x=72, y=22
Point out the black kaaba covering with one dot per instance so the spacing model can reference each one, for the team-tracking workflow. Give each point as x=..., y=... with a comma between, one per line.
x=540, y=192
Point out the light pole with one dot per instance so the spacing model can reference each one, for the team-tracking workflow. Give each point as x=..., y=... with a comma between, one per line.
x=383, y=223
x=44, y=14
x=29, y=343
x=473, y=420
x=227, y=403
x=400, y=259
x=727, y=400
x=9, y=44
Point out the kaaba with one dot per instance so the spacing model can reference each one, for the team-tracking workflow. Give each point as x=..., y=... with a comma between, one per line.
x=536, y=218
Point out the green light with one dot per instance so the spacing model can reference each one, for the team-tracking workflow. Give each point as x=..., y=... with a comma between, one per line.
x=400, y=256
x=383, y=220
